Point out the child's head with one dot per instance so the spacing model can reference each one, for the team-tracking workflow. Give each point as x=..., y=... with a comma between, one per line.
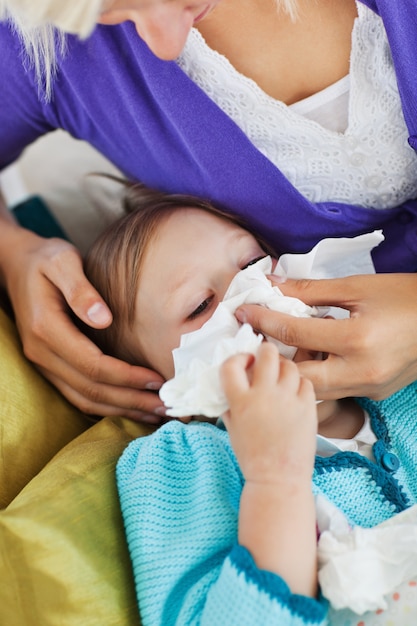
x=162, y=269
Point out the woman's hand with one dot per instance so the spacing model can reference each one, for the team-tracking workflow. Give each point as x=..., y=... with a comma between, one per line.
x=272, y=424
x=373, y=353
x=44, y=279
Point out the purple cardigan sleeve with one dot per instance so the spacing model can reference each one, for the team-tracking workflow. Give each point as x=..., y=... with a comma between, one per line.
x=22, y=118
x=148, y=118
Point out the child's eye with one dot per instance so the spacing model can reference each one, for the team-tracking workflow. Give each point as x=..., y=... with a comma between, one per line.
x=253, y=261
x=201, y=308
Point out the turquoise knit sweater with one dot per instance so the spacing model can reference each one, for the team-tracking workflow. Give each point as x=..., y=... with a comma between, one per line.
x=180, y=488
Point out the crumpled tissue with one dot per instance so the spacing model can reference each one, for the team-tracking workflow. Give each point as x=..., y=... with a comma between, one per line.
x=196, y=387
x=358, y=567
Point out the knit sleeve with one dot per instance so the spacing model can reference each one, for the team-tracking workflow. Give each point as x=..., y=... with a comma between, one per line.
x=179, y=491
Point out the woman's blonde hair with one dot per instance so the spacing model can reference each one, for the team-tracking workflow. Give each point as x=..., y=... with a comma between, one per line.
x=42, y=25
x=113, y=263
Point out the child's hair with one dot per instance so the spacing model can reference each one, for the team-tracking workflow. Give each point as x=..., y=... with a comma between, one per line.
x=114, y=261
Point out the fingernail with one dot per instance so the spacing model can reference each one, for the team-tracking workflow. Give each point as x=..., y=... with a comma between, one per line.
x=98, y=313
x=241, y=316
x=161, y=410
x=277, y=279
x=153, y=386
x=150, y=419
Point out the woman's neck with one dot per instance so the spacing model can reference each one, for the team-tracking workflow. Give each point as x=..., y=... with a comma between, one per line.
x=290, y=60
x=339, y=419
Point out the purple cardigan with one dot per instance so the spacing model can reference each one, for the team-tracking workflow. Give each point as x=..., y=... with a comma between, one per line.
x=156, y=125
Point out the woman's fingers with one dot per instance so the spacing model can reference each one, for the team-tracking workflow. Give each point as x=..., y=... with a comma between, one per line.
x=64, y=270
x=314, y=334
x=373, y=352
x=121, y=401
x=94, y=381
x=97, y=384
x=326, y=292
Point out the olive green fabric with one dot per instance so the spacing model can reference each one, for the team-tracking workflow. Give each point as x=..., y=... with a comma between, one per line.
x=63, y=556
x=35, y=420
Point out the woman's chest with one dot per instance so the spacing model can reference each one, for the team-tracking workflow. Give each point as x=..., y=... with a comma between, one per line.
x=289, y=58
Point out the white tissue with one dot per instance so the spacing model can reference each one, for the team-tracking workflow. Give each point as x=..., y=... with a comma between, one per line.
x=358, y=567
x=196, y=388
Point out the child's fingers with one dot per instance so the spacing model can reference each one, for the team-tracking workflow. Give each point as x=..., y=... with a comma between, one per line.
x=267, y=365
x=306, y=388
x=234, y=374
x=289, y=376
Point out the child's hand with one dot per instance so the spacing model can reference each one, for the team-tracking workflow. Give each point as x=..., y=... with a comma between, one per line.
x=272, y=419
x=272, y=424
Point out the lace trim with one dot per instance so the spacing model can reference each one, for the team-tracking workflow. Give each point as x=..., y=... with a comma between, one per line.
x=370, y=164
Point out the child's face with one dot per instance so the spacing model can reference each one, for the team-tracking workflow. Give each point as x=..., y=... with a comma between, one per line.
x=185, y=273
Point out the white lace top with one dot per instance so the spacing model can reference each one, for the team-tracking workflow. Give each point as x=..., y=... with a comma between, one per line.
x=362, y=157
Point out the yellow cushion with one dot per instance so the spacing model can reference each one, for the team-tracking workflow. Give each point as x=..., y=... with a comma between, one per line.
x=35, y=420
x=63, y=556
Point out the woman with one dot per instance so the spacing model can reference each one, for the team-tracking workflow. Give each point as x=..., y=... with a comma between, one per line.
x=249, y=105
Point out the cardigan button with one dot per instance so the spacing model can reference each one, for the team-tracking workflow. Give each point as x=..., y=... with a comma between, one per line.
x=390, y=462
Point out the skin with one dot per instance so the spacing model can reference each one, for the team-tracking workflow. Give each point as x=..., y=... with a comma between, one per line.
x=186, y=270
x=44, y=278
x=273, y=418
x=275, y=449
x=96, y=383
x=164, y=24
x=302, y=56
x=188, y=266
x=382, y=317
